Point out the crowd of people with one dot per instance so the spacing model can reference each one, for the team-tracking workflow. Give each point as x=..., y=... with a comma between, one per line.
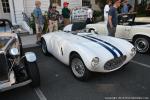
x=111, y=14
x=53, y=18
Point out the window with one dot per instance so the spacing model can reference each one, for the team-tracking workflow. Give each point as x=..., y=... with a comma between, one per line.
x=86, y=2
x=56, y=2
x=5, y=5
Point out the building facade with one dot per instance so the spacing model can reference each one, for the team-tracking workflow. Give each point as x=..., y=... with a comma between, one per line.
x=12, y=9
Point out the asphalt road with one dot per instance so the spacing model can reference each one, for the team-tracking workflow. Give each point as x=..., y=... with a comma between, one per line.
x=131, y=82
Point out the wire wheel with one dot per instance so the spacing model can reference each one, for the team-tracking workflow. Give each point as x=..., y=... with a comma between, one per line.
x=142, y=44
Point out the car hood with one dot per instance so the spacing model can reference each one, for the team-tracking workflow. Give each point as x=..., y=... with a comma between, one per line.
x=104, y=45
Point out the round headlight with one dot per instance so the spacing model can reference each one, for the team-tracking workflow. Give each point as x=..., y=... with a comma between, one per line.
x=95, y=61
x=14, y=51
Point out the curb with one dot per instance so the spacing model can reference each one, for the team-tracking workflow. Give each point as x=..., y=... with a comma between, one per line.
x=30, y=46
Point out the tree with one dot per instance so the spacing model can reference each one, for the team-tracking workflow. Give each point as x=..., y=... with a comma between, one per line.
x=101, y=3
x=135, y=5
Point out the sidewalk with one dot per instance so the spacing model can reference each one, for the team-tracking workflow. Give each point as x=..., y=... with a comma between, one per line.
x=29, y=41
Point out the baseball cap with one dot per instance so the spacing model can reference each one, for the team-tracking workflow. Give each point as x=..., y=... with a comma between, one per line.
x=65, y=3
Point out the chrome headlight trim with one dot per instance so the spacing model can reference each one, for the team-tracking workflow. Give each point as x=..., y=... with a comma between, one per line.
x=133, y=51
x=95, y=61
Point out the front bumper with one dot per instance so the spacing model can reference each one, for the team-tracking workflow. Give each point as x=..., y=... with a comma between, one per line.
x=8, y=86
x=114, y=63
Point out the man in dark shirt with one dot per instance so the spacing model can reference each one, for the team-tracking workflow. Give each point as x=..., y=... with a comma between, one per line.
x=113, y=18
x=66, y=13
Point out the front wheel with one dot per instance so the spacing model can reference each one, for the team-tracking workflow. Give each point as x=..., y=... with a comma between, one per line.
x=33, y=73
x=78, y=68
x=44, y=47
x=142, y=44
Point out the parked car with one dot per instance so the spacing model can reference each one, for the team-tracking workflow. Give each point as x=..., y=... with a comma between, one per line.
x=16, y=67
x=137, y=31
x=87, y=52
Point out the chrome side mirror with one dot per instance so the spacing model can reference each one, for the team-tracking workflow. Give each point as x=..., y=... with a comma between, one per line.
x=14, y=51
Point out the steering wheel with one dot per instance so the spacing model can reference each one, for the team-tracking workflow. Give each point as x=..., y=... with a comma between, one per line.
x=92, y=30
x=2, y=23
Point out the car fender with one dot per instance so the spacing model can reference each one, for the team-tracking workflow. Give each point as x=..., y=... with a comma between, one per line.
x=30, y=56
x=85, y=55
x=141, y=34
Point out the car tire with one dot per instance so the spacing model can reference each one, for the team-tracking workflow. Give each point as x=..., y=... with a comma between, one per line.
x=78, y=68
x=33, y=73
x=44, y=47
x=142, y=44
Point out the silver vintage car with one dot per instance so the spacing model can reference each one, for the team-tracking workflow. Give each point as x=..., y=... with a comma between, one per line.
x=16, y=67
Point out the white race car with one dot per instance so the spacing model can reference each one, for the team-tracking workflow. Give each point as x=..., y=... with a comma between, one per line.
x=137, y=31
x=87, y=52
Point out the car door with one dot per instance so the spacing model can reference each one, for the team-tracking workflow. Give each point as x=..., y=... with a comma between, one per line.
x=123, y=31
x=56, y=48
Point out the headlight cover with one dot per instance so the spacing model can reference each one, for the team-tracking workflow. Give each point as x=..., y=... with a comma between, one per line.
x=133, y=51
x=95, y=61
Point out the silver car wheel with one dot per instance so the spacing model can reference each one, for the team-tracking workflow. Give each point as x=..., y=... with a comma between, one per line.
x=142, y=45
x=78, y=67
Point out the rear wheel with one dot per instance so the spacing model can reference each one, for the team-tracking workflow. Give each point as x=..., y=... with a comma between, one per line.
x=33, y=73
x=78, y=68
x=142, y=44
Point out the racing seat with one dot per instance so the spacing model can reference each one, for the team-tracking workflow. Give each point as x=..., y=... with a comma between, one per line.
x=78, y=26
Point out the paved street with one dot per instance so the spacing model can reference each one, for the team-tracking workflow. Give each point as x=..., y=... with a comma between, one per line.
x=58, y=83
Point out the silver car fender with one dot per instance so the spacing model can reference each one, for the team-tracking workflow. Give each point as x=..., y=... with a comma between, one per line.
x=30, y=56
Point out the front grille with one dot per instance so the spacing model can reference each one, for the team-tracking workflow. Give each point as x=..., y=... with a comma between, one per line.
x=3, y=67
x=114, y=63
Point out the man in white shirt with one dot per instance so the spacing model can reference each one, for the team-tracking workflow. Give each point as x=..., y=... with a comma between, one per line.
x=89, y=16
x=106, y=10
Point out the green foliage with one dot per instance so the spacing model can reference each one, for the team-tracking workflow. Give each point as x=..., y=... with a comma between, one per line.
x=96, y=13
x=101, y=3
x=32, y=23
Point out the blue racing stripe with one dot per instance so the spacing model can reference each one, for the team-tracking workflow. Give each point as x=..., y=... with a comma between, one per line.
x=109, y=49
x=121, y=54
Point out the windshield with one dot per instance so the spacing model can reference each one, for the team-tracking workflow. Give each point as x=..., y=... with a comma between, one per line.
x=4, y=26
x=3, y=41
